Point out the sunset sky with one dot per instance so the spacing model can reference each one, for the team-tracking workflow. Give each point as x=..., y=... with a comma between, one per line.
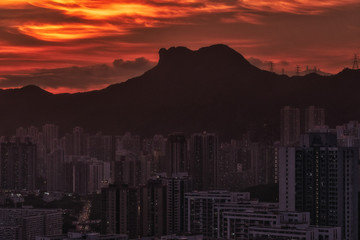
x=78, y=45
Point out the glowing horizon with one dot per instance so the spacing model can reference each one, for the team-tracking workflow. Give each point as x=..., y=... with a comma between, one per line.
x=51, y=34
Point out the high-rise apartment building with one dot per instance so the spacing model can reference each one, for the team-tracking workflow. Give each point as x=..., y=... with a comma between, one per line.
x=153, y=208
x=102, y=147
x=131, y=169
x=120, y=210
x=80, y=141
x=176, y=187
x=128, y=143
x=321, y=178
x=234, y=216
x=204, y=156
x=85, y=175
x=200, y=209
x=176, y=154
x=50, y=132
x=55, y=171
x=290, y=126
x=349, y=134
x=28, y=223
x=314, y=116
x=18, y=165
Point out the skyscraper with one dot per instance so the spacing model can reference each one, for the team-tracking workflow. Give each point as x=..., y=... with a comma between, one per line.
x=349, y=134
x=314, y=116
x=290, y=126
x=81, y=142
x=176, y=153
x=130, y=169
x=18, y=165
x=55, y=170
x=176, y=187
x=322, y=179
x=204, y=148
x=50, y=132
x=120, y=210
x=85, y=175
x=153, y=208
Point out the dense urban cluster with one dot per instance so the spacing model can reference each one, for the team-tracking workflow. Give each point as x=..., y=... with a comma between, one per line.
x=84, y=163
x=187, y=186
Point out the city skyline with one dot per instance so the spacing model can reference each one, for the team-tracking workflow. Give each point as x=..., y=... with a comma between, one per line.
x=179, y=120
x=128, y=189
x=121, y=40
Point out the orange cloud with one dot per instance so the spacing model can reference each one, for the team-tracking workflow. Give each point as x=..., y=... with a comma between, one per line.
x=295, y=7
x=69, y=31
x=106, y=18
x=107, y=10
x=13, y=3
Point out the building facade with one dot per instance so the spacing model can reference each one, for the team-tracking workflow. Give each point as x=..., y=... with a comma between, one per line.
x=322, y=179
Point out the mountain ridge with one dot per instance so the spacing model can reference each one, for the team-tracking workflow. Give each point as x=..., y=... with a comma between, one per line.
x=214, y=88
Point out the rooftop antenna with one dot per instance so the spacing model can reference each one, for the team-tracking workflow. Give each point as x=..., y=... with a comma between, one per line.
x=297, y=70
x=356, y=62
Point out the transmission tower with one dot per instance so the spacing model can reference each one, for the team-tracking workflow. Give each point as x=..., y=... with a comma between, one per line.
x=297, y=70
x=356, y=62
x=271, y=66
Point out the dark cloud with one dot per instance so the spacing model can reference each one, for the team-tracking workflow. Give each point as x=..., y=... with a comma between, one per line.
x=176, y=4
x=12, y=18
x=257, y=62
x=265, y=64
x=36, y=14
x=136, y=64
x=79, y=77
x=16, y=38
x=284, y=63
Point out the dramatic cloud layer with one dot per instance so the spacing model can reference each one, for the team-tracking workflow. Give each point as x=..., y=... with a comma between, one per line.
x=58, y=34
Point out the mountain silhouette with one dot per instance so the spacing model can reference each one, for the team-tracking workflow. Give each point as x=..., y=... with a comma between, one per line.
x=214, y=88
